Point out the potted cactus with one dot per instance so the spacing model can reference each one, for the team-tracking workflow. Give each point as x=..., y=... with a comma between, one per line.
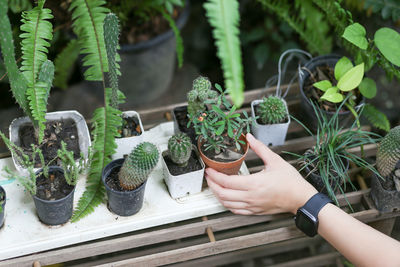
x=183, y=167
x=125, y=179
x=272, y=121
x=386, y=192
x=197, y=97
x=2, y=205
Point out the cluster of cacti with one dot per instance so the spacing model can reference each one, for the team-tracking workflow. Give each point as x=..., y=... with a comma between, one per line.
x=180, y=149
x=272, y=110
x=201, y=91
x=389, y=152
x=138, y=165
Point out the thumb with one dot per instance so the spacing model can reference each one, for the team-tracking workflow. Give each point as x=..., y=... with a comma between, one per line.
x=266, y=154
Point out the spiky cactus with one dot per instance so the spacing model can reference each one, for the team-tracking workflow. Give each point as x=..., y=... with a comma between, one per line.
x=180, y=149
x=201, y=91
x=138, y=165
x=272, y=110
x=389, y=152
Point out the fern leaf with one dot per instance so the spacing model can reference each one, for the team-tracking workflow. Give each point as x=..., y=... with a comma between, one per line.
x=88, y=17
x=17, y=6
x=377, y=118
x=18, y=82
x=223, y=16
x=107, y=121
x=178, y=38
x=64, y=62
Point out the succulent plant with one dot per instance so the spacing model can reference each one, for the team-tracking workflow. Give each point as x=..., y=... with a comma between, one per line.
x=201, y=91
x=272, y=110
x=388, y=154
x=138, y=165
x=180, y=149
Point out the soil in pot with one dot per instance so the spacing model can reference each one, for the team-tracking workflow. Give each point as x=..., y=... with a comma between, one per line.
x=130, y=127
x=193, y=165
x=113, y=182
x=229, y=154
x=52, y=188
x=181, y=116
x=257, y=113
x=55, y=132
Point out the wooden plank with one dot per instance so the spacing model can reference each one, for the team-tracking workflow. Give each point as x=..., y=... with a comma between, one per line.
x=320, y=260
x=384, y=226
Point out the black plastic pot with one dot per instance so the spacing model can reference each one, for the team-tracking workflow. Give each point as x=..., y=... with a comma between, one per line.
x=54, y=212
x=123, y=203
x=309, y=116
x=183, y=128
x=385, y=200
x=3, y=205
x=147, y=67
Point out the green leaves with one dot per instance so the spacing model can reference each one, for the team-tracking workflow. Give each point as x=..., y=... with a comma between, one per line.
x=64, y=63
x=355, y=34
x=332, y=95
x=223, y=16
x=368, y=88
x=377, y=118
x=342, y=66
x=388, y=43
x=352, y=78
x=178, y=38
x=323, y=85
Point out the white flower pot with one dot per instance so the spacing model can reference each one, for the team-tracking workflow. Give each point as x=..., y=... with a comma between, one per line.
x=272, y=134
x=83, y=131
x=184, y=184
x=126, y=144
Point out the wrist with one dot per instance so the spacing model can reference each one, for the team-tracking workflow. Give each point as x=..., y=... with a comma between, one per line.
x=302, y=198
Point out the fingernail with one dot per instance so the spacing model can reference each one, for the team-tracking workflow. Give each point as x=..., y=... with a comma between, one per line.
x=249, y=136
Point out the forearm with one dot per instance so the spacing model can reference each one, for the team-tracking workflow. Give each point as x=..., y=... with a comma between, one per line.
x=358, y=242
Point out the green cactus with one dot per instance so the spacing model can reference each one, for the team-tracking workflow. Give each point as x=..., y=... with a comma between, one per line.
x=388, y=154
x=201, y=91
x=138, y=165
x=180, y=149
x=272, y=110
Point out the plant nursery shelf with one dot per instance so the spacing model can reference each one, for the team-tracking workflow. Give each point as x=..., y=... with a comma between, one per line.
x=192, y=231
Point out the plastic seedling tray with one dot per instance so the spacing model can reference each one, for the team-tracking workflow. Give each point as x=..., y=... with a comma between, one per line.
x=24, y=234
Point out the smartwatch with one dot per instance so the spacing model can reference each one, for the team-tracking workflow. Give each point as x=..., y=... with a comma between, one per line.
x=306, y=218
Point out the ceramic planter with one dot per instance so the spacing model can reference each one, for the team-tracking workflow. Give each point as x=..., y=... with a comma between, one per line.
x=229, y=168
x=184, y=184
x=83, y=131
x=123, y=203
x=178, y=129
x=54, y=212
x=271, y=134
x=126, y=144
x=385, y=200
x=3, y=198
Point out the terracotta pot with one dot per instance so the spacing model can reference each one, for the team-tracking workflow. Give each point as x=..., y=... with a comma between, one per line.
x=229, y=168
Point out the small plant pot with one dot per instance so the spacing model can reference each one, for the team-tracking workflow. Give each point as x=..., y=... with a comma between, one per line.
x=126, y=144
x=183, y=184
x=123, y=203
x=271, y=134
x=54, y=212
x=385, y=200
x=178, y=114
x=3, y=198
x=82, y=129
x=229, y=168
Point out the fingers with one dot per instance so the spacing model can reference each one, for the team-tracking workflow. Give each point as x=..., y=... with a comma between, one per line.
x=242, y=212
x=266, y=154
x=227, y=181
x=225, y=194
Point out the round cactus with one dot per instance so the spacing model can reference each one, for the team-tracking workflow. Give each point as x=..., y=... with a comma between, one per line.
x=272, y=110
x=138, y=165
x=388, y=152
x=201, y=91
x=180, y=149
x=201, y=84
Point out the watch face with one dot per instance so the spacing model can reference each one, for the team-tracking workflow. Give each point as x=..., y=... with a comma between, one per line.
x=306, y=222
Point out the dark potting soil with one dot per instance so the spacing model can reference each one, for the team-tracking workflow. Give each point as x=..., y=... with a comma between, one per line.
x=181, y=116
x=256, y=109
x=193, y=165
x=113, y=182
x=55, y=132
x=52, y=188
x=130, y=127
x=324, y=73
x=229, y=154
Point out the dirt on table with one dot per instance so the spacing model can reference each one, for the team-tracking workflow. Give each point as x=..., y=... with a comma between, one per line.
x=55, y=132
x=130, y=127
x=193, y=165
x=54, y=187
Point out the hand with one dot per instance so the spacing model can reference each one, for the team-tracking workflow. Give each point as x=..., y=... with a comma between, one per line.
x=278, y=188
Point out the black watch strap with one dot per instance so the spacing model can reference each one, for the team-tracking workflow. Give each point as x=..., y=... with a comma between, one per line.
x=316, y=203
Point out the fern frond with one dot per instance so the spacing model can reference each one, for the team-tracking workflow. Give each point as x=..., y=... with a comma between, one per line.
x=107, y=121
x=377, y=118
x=18, y=82
x=88, y=17
x=178, y=38
x=17, y=6
x=64, y=62
x=223, y=16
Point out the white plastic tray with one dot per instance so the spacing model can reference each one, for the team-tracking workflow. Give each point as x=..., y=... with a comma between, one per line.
x=24, y=234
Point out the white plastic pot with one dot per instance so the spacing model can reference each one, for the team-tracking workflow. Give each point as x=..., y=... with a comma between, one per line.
x=126, y=144
x=272, y=134
x=184, y=184
x=81, y=126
